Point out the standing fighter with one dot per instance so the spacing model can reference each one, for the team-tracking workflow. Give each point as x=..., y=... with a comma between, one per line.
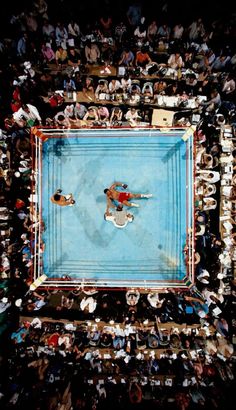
x=62, y=200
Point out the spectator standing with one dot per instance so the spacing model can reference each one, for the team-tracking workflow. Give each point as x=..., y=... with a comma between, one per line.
x=92, y=53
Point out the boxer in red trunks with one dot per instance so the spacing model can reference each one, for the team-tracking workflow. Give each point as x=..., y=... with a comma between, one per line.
x=121, y=197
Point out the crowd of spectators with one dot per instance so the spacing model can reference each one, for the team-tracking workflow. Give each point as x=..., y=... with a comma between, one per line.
x=154, y=59
x=129, y=345
x=194, y=369
x=98, y=345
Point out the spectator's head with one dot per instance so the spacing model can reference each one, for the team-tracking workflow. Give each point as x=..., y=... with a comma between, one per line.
x=25, y=107
x=61, y=117
x=214, y=93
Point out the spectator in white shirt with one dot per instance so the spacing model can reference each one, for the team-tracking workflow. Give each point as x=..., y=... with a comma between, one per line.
x=80, y=111
x=178, y=31
x=73, y=29
x=175, y=61
x=132, y=115
x=209, y=203
x=209, y=176
x=140, y=33
x=126, y=83
x=102, y=88
x=48, y=30
x=114, y=86
x=29, y=114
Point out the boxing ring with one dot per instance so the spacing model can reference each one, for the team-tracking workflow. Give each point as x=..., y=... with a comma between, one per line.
x=74, y=245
